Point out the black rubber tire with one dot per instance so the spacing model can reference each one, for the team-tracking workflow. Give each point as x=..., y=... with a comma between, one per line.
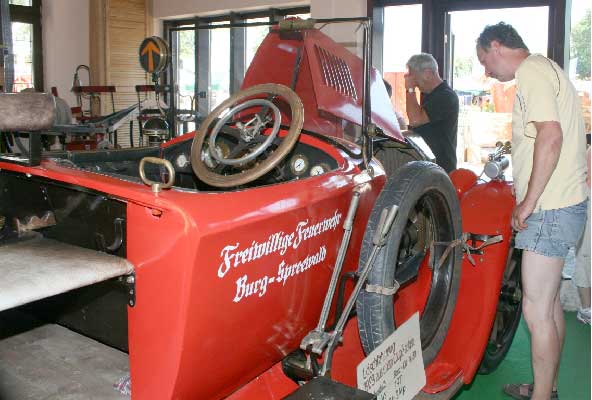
x=413, y=182
x=510, y=311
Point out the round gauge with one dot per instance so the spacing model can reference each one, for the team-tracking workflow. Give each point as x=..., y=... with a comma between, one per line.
x=182, y=161
x=319, y=169
x=222, y=149
x=298, y=164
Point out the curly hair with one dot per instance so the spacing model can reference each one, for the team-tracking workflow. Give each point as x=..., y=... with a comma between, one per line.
x=503, y=33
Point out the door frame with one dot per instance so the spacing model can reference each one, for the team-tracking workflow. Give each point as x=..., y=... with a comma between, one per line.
x=434, y=14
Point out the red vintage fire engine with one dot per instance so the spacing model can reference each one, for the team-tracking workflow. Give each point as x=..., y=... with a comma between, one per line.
x=277, y=245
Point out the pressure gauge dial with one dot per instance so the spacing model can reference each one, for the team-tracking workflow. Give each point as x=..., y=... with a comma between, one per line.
x=319, y=169
x=298, y=164
x=182, y=161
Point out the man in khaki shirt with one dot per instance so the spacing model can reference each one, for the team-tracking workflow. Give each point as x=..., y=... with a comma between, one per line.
x=549, y=167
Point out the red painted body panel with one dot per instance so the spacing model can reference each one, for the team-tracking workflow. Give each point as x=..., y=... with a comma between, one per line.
x=187, y=321
x=326, y=106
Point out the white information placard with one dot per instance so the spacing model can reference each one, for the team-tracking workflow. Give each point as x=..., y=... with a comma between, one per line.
x=394, y=370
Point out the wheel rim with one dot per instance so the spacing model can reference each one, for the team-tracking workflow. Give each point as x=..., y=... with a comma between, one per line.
x=429, y=292
x=508, y=311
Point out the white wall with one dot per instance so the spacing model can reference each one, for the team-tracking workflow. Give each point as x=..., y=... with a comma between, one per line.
x=65, y=43
x=187, y=8
x=173, y=9
x=168, y=9
x=338, y=8
x=66, y=28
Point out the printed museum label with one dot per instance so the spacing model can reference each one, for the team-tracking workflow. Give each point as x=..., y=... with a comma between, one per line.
x=394, y=370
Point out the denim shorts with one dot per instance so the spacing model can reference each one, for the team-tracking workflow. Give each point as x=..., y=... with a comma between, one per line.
x=552, y=232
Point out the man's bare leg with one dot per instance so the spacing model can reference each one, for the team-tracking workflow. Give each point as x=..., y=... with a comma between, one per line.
x=559, y=319
x=541, y=277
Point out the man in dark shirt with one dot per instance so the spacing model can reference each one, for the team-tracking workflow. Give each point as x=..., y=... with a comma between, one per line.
x=436, y=118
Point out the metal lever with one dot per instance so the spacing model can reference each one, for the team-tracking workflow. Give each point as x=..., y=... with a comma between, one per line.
x=317, y=339
x=386, y=221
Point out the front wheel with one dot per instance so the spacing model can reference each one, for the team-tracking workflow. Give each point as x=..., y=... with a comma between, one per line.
x=507, y=318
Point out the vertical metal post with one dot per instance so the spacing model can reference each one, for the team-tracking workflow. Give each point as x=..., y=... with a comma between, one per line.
x=172, y=84
x=274, y=16
x=7, y=57
x=237, y=54
x=366, y=102
x=203, y=65
x=195, y=67
x=378, y=38
x=35, y=149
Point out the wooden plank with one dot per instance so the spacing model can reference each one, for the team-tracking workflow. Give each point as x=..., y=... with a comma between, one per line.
x=49, y=361
x=38, y=268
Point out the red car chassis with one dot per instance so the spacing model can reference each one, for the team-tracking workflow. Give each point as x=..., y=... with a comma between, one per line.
x=227, y=281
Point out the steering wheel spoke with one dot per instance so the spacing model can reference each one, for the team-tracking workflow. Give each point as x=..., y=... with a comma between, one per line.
x=252, y=120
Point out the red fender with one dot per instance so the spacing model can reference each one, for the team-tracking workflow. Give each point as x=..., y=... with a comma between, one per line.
x=486, y=208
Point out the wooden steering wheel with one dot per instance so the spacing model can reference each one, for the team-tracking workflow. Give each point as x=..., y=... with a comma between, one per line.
x=242, y=145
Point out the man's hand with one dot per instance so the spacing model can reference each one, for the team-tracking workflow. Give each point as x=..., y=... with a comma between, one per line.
x=519, y=215
x=409, y=81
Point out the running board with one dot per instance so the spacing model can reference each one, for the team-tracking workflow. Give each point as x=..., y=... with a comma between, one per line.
x=38, y=268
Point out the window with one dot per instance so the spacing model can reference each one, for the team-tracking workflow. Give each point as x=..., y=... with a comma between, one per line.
x=25, y=16
x=26, y=3
x=225, y=47
x=255, y=35
x=219, y=88
x=579, y=49
x=185, y=74
x=22, y=48
x=400, y=22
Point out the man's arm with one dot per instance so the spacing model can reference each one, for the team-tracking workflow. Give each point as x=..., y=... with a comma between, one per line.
x=547, y=148
x=417, y=115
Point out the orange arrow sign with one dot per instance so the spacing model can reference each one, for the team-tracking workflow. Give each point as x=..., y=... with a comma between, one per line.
x=150, y=48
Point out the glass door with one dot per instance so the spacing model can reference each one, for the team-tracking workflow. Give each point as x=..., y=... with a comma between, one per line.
x=22, y=41
x=402, y=39
x=486, y=104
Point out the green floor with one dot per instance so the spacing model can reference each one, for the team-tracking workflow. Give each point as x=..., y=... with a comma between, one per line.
x=574, y=375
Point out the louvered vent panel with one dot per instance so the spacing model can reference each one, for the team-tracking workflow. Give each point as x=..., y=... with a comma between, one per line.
x=336, y=73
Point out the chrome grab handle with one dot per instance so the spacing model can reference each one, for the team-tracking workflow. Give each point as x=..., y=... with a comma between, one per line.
x=157, y=186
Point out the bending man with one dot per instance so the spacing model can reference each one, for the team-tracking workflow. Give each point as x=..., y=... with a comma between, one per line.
x=436, y=117
x=549, y=168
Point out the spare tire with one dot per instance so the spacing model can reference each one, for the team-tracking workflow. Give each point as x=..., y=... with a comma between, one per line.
x=428, y=212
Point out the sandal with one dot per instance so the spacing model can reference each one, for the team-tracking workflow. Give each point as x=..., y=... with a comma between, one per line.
x=524, y=391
